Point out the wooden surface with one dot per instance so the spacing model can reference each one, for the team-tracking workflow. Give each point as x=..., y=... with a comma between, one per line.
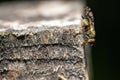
x=42, y=41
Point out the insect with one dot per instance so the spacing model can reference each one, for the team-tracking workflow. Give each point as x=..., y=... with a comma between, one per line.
x=88, y=26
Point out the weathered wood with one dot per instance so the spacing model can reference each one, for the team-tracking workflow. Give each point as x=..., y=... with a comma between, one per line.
x=42, y=41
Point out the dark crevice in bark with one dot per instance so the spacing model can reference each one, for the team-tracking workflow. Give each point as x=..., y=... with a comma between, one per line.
x=44, y=60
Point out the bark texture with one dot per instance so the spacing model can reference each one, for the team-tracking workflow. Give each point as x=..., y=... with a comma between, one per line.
x=42, y=41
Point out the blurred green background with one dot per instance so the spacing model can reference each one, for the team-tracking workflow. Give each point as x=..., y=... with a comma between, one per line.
x=105, y=54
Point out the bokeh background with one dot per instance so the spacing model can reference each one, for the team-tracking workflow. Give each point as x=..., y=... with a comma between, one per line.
x=105, y=51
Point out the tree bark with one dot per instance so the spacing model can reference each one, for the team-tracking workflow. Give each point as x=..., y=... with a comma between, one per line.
x=42, y=41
